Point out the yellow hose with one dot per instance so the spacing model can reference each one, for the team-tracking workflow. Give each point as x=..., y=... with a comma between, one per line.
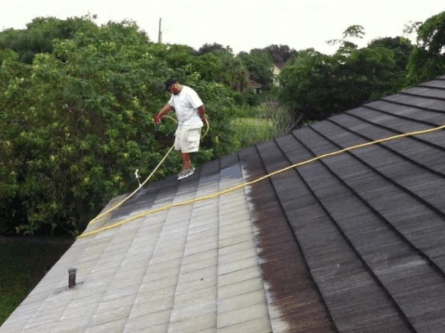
x=146, y=180
x=134, y=192
x=238, y=187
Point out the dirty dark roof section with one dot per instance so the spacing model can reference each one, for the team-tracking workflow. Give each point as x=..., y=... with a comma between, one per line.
x=369, y=223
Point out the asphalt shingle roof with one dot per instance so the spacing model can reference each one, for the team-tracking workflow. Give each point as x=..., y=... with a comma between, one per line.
x=351, y=243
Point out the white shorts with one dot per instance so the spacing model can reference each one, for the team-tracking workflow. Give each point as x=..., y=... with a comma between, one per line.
x=187, y=140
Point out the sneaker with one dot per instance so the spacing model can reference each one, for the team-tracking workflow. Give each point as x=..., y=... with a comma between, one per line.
x=186, y=173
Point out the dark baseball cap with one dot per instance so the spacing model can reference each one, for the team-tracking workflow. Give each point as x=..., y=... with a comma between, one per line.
x=169, y=83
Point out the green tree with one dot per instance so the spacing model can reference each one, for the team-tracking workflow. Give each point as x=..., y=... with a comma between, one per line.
x=401, y=47
x=179, y=55
x=427, y=59
x=317, y=85
x=346, y=47
x=307, y=85
x=229, y=70
x=76, y=124
x=208, y=65
x=26, y=43
x=215, y=47
x=260, y=67
x=278, y=53
x=40, y=35
x=235, y=75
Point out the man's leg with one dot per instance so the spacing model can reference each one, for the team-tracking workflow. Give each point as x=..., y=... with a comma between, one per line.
x=190, y=143
x=186, y=160
x=187, y=169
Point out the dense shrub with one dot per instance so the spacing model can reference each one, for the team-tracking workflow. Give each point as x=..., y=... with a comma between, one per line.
x=76, y=124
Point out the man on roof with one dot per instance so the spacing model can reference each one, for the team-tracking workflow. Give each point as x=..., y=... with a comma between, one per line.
x=190, y=112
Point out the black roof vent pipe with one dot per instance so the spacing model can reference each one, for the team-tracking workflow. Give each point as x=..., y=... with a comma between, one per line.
x=72, y=277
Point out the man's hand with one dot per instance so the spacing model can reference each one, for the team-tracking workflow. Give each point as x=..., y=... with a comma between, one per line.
x=166, y=109
x=158, y=118
x=204, y=118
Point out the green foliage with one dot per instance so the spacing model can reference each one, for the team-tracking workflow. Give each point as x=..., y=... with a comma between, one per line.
x=262, y=123
x=8, y=56
x=246, y=111
x=356, y=31
x=279, y=116
x=215, y=48
x=216, y=62
x=346, y=47
x=26, y=43
x=234, y=74
x=77, y=123
x=427, y=60
x=278, y=53
x=317, y=85
x=40, y=34
x=178, y=56
x=306, y=84
x=411, y=28
x=401, y=47
x=62, y=29
x=249, y=131
x=209, y=66
x=260, y=67
x=431, y=34
x=251, y=98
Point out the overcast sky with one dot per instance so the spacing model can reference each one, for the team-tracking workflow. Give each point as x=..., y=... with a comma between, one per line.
x=242, y=24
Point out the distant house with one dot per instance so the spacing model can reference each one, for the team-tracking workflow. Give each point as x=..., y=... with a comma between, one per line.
x=276, y=71
x=254, y=85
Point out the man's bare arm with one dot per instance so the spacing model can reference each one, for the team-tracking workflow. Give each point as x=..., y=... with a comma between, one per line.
x=202, y=112
x=166, y=109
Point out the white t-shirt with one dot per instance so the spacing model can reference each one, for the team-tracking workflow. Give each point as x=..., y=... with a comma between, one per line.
x=186, y=105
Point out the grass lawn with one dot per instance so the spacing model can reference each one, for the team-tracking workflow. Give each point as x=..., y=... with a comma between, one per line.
x=23, y=263
x=249, y=131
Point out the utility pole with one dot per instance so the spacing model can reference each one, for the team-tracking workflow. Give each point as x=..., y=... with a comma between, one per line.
x=160, y=32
